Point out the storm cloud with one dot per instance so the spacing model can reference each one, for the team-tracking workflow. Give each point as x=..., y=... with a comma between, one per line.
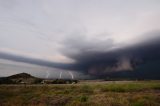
x=100, y=62
x=94, y=38
x=125, y=58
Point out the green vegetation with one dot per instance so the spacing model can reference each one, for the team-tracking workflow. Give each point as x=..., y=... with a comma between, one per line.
x=136, y=93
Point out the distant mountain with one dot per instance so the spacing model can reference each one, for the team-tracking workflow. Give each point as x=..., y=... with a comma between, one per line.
x=20, y=78
x=21, y=75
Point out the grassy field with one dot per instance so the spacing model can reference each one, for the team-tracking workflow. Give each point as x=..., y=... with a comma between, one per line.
x=91, y=93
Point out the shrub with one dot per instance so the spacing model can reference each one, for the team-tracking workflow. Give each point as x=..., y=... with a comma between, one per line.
x=83, y=98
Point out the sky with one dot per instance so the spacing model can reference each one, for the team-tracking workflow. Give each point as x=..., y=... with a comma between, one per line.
x=77, y=36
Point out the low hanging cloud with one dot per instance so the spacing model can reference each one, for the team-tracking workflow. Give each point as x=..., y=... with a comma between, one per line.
x=122, y=65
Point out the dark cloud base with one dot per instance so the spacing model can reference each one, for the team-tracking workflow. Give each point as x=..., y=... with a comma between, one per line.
x=148, y=70
x=138, y=61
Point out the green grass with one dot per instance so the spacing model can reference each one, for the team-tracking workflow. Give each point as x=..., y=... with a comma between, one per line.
x=136, y=93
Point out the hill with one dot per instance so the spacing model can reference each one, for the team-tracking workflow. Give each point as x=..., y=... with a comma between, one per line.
x=20, y=78
x=21, y=75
